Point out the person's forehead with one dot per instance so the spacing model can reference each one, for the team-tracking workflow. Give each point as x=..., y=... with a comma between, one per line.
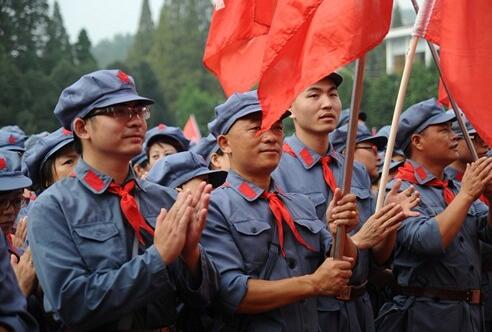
x=161, y=145
x=323, y=84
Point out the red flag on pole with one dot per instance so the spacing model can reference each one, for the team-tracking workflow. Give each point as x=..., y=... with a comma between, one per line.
x=236, y=42
x=317, y=39
x=463, y=31
x=191, y=130
x=287, y=46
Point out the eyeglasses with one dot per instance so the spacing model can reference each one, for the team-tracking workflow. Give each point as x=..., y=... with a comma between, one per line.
x=17, y=203
x=123, y=112
x=368, y=147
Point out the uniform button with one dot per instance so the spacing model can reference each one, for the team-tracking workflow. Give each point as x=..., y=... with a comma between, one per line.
x=471, y=268
x=253, y=229
x=461, y=238
x=291, y=263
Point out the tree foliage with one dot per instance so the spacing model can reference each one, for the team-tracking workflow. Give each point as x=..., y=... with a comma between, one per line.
x=37, y=61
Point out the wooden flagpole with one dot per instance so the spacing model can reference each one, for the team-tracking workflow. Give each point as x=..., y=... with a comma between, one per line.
x=396, y=118
x=339, y=243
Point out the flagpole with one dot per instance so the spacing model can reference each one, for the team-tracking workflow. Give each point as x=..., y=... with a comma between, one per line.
x=396, y=118
x=459, y=116
x=339, y=243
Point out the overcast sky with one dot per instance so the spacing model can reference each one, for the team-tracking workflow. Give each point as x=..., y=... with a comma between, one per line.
x=106, y=18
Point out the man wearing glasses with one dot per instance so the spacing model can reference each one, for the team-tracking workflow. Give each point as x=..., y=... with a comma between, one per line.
x=114, y=252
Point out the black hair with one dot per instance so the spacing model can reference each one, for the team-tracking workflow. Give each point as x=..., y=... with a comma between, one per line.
x=46, y=176
x=163, y=139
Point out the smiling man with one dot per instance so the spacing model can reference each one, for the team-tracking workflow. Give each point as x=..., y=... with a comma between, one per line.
x=437, y=261
x=114, y=252
x=269, y=246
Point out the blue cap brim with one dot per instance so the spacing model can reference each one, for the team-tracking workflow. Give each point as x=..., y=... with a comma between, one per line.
x=14, y=182
x=55, y=149
x=379, y=141
x=435, y=120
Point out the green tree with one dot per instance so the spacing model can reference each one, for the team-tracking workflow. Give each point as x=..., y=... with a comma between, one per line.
x=22, y=30
x=57, y=46
x=111, y=50
x=142, y=42
x=176, y=55
x=83, y=56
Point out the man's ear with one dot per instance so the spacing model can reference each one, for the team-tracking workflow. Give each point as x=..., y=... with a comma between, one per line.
x=417, y=141
x=80, y=128
x=223, y=143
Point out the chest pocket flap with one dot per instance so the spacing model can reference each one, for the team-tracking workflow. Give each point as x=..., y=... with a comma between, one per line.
x=361, y=193
x=97, y=232
x=251, y=227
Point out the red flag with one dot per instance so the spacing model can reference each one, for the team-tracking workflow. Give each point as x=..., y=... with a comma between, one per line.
x=315, y=40
x=236, y=41
x=290, y=45
x=191, y=130
x=463, y=30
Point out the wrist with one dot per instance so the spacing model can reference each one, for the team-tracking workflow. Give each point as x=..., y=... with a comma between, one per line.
x=309, y=280
x=466, y=197
x=358, y=241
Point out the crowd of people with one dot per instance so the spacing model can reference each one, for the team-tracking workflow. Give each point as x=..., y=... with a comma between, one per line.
x=107, y=225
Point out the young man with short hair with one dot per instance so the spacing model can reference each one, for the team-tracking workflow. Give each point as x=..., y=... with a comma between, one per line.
x=114, y=252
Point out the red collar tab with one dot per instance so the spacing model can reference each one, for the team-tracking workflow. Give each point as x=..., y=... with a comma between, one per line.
x=3, y=163
x=246, y=190
x=94, y=181
x=421, y=173
x=287, y=149
x=306, y=156
x=123, y=77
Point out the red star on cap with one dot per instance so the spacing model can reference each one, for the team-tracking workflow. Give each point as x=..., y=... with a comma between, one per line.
x=66, y=132
x=12, y=139
x=161, y=126
x=123, y=77
x=3, y=163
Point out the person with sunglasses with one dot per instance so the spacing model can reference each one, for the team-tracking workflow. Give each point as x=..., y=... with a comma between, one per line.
x=114, y=252
x=16, y=275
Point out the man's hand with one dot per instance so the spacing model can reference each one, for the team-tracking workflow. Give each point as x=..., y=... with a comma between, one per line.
x=408, y=199
x=172, y=226
x=24, y=271
x=378, y=226
x=342, y=210
x=477, y=176
x=200, y=200
x=20, y=233
x=332, y=276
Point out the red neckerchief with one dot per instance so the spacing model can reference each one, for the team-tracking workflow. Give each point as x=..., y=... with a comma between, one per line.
x=407, y=173
x=282, y=214
x=130, y=208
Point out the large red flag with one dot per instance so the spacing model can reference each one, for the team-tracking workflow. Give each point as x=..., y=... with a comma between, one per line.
x=463, y=31
x=287, y=46
x=236, y=42
x=302, y=51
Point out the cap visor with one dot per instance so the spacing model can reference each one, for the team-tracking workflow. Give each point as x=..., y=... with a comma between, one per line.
x=13, y=182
